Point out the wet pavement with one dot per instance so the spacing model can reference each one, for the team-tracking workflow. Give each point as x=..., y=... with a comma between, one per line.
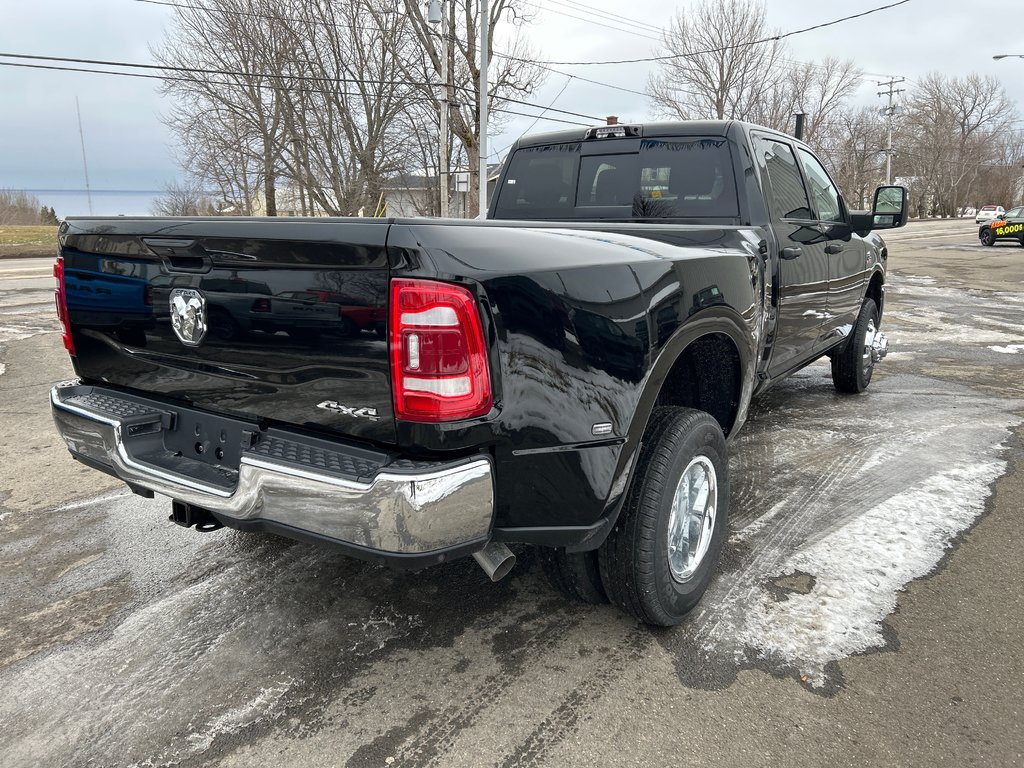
x=867, y=608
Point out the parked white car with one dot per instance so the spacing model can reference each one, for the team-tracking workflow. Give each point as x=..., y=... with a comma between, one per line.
x=989, y=213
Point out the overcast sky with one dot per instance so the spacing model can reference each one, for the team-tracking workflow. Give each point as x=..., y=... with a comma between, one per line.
x=129, y=148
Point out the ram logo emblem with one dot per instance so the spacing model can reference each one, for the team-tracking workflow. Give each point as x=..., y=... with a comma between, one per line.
x=188, y=316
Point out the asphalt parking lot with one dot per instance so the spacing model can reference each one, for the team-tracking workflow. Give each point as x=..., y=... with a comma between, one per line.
x=867, y=610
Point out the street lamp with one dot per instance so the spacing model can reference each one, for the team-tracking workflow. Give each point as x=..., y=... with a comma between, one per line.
x=999, y=56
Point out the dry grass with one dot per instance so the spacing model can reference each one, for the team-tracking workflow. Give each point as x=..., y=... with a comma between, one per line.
x=20, y=240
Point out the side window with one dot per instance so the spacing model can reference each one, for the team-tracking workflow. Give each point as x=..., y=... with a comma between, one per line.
x=788, y=197
x=824, y=195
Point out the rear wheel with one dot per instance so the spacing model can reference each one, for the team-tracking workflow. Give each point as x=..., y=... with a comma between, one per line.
x=853, y=366
x=658, y=560
x=986, y=237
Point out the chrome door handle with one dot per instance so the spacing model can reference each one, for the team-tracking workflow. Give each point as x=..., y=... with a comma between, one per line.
x=791, y=253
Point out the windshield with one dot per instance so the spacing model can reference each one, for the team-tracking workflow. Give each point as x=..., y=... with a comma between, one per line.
x=667, y=178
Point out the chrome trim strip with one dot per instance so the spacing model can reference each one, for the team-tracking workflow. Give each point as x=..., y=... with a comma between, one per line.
x=400, y=513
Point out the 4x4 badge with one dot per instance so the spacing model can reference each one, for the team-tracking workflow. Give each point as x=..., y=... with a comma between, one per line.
x=188, y=316
x=359, y=413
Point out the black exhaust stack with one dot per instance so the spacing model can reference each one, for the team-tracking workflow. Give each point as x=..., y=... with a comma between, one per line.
x=799, y=132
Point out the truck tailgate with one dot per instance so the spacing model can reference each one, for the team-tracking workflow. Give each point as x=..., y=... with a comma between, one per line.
x=272, y=320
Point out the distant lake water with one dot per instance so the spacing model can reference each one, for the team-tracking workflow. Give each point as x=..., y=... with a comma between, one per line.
x=105, y=202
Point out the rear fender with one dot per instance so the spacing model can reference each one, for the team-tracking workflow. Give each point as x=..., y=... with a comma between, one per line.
x=717, y=322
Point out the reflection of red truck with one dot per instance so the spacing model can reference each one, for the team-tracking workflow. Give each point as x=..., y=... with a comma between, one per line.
x=355, y=316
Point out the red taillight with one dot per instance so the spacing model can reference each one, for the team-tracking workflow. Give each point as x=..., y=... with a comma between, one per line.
x=438, y=356
x=261, y=305
x=60, y=299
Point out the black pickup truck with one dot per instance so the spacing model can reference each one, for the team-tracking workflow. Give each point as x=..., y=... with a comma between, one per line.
x=565, y=374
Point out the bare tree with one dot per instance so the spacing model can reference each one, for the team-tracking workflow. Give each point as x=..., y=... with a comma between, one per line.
x=717, y=70
x=511, y=75
x=185, y=198
x=19, y=207
x=852, y=142
x=244, y=56
x=219, y=148
x=949, y=136
x=349, y=131
x=820, y=90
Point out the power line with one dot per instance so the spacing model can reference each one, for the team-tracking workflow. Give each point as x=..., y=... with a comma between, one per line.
x=595, y=22
x=530, y=128
x=616, y=16
x=291, y=90
x=500, y=54
x=253, y=14
x=586, y=79
x=773, y=38
x=578, y=6
x=268, y=76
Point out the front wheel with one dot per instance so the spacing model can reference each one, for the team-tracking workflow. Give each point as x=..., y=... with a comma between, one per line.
x=853, y=366
x=658, y=560
x=986, y=237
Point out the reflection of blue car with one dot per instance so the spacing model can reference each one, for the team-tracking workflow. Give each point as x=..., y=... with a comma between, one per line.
x=105, y=300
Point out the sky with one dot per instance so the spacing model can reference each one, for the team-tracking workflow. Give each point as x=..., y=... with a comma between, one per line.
x=128, y=148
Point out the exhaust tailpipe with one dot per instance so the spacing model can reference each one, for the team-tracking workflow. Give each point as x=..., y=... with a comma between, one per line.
x=496, y=560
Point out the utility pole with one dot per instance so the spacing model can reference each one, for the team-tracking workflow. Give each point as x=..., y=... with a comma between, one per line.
x=889, y=111
x=484, y=21
x=436, y=15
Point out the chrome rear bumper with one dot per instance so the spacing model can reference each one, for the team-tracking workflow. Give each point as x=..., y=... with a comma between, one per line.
x=378, y=509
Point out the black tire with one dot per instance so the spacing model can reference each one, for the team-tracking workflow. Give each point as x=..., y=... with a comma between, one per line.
x=635, y=566
x=853, y=366
x=575, y=574
x=986, y=237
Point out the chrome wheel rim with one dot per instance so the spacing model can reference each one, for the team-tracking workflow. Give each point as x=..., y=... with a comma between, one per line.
x=867, y=360
x=692, y=520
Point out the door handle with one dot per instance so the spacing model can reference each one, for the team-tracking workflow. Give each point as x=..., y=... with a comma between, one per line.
x=791, y=253
x=180, y=254
x=834, y=248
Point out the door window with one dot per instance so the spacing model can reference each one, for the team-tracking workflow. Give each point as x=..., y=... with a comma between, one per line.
x=787, y=195
x=824, y=195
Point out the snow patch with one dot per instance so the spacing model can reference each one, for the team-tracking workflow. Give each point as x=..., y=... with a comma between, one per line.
x=1009, y=349
x=3, y=368
x=860, y=568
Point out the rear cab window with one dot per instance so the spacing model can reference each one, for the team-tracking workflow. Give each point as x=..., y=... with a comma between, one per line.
x=677, y=177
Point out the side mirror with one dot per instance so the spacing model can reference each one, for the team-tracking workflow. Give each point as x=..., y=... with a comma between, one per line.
x=891, y=208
